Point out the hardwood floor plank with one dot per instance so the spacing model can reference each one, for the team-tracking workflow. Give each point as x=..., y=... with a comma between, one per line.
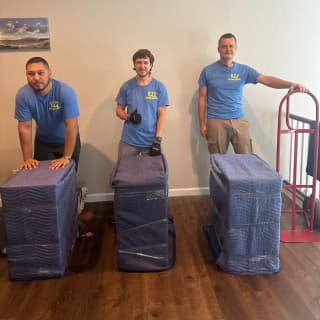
x=195, y=288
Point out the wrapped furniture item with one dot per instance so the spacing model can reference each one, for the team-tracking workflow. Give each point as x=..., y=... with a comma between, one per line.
x=245, y=230
x=3, y=249
x=145, y=234
x=40, y=217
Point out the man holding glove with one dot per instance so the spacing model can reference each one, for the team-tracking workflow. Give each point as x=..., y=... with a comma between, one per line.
x=142, y=103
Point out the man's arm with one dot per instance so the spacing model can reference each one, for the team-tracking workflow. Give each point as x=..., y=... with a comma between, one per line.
x=69, y=144
x=70, y=137
x=162, y=115
x=202, y=105
x=278, y=83
x=25, y=136
x=155, y=149
x=121, y=112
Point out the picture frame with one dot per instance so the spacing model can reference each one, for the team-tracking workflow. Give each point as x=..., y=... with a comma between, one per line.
x=24, y=34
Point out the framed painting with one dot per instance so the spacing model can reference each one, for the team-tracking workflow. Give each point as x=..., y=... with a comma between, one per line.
x=24, y=34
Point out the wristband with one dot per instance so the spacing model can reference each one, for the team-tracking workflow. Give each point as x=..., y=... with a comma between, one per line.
x=67, y=158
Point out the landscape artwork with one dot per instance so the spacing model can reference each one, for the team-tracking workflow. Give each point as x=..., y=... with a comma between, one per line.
x=24, y=33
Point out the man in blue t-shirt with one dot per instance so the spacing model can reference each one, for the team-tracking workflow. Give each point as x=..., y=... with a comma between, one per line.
x=220, y=110
x=54, y=107
x=142, y=103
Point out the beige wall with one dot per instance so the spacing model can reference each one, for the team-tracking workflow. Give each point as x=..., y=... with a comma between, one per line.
x=92, y=43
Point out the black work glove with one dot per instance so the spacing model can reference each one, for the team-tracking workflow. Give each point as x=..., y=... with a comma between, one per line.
x=135, y=117
x=155, y=149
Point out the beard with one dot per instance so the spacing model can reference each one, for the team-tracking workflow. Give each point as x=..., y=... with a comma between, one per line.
x=143, y=73
x=39, y=87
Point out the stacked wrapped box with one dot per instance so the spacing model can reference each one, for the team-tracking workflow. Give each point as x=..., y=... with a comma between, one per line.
x=145, y=234
x=245, y=230
x=2, y=234
x=40, y=220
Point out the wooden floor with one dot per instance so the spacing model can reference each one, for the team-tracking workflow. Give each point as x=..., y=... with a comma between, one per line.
x=194, y=289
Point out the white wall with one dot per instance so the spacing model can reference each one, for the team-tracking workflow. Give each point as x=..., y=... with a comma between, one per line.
x=92, y=43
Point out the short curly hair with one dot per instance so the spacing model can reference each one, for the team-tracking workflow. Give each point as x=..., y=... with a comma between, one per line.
x=143, y=53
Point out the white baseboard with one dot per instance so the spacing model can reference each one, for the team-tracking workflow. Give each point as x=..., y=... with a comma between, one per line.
x=99, y=197
x=179, y=192
x=182, y=192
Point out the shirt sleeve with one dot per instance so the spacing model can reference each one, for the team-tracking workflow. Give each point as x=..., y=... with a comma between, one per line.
x=202, y=79
x=22, y=111
x=252, y=75
x=163, y=96
x=121, y=97
x=70, y=102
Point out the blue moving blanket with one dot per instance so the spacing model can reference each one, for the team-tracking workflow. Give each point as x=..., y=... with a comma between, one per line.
x=145, y=234
x=245, y=230
x=40, y=220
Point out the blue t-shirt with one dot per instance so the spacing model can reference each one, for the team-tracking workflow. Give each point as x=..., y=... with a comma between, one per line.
x=146, y=100
x=48, y=111
x=225, y=88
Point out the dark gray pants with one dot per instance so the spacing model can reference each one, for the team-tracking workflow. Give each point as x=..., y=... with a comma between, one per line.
x=51, y=151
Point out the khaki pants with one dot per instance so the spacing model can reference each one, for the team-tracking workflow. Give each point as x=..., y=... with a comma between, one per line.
x=222, y=132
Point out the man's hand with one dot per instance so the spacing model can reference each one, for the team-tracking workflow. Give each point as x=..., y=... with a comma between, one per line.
x=299, y=87
x=155, y=149
x=203, y=130
x=135, y=117
x=29, y=164
x=59, y=163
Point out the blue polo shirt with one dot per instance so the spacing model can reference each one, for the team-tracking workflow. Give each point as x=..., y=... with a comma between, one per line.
x=146, y=100
x=48, y=111
x=225, y=88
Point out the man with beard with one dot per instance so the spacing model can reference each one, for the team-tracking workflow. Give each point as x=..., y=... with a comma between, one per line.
x=142, y=103
x=54, y=107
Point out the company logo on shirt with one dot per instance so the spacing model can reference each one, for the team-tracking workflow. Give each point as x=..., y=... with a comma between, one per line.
x=54, y=105
x=152, y=95
x=234, y=77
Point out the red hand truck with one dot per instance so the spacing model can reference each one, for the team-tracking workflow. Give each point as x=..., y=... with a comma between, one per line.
x=285, y=127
